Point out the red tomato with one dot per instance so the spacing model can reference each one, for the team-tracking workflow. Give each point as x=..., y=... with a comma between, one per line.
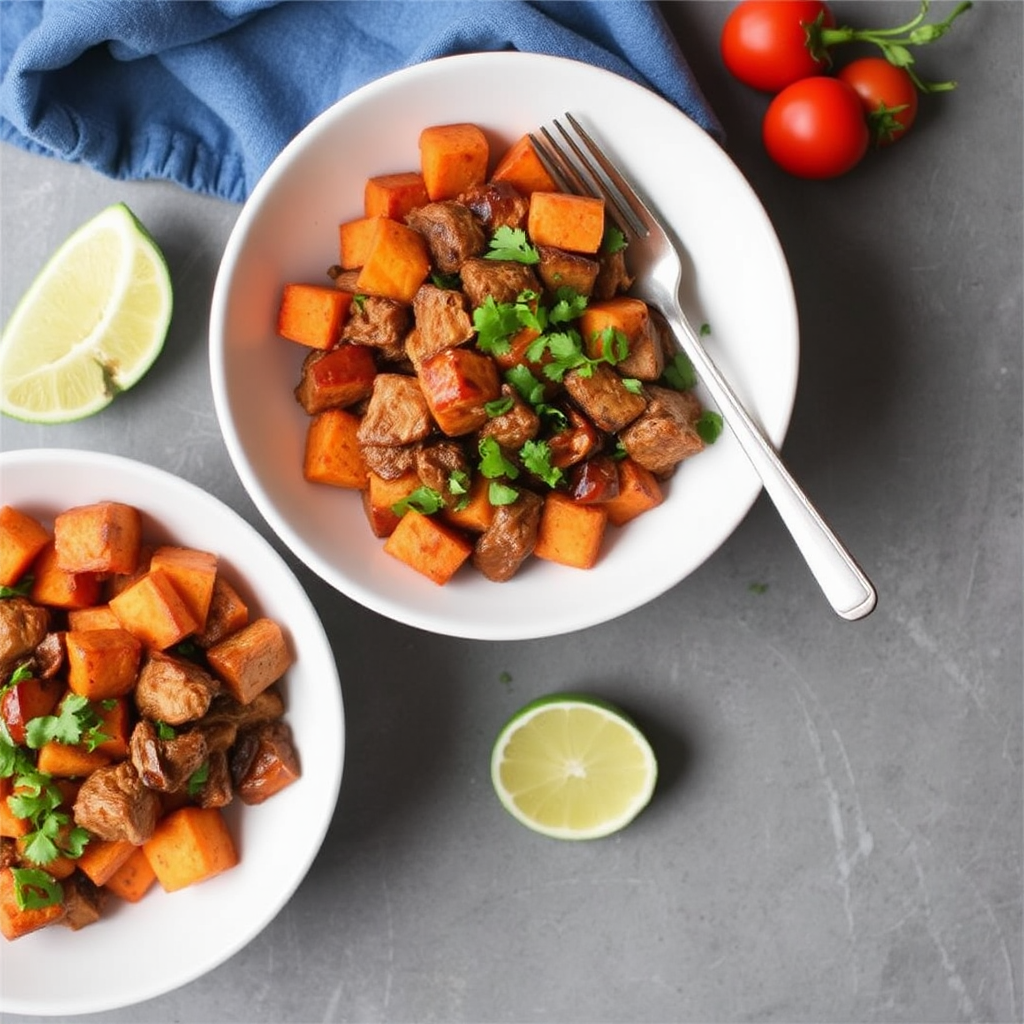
x=815, y=128
x=888, y=94
x=765, y=42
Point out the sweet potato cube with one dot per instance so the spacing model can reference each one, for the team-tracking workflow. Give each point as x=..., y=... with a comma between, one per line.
x=428, y=546
x=249, y=661
x=16, y=921
x=312, y=314
x=354, y=238
x=102, y=663
x=566, y=221
x=382, y=495
x=134, y=878
x=228, y=613
x=457, y=384
x=394, y=195
x=53, y=586
x=522, y=169
x=116, y=723
x=337, y=378
x=21, y=539
x=69, y=761
x=453, y=157
x=103, y=537
x=190, y=845
x=626, y=315
x=397, y=262
x=639, y=491
x=97, y=616
x=102, y=858
x=570, y=534
x=153, y=610
x=192, y=572
x=332, y=454
x=26, y=699
x=11, y=826
x=476, y=512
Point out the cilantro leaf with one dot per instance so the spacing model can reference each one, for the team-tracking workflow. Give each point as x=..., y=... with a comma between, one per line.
x=536, y=456
x=19, y=589
x=512, y=244
x=614, y=240
x=499, y=406
x=569, y=305
x=495, y=323
x=35, y=889
x=493, y=463
x=680, y=374
x=709, y=426
x=531, y=389
x=501, y=494
x=423, y=499
x=198, y=779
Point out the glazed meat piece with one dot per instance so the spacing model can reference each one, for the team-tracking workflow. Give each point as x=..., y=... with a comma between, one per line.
x=613, y=278
x=227, y=717
x=497, y=204
x=435, y=464
x=441, y=321
x=217, y=790
x=604, y=398
x=378, y=322
x=560, y=269
x=83, y=901
x=387, y=461
x=49, y=655
x=173, y=690
x=165, y=764
x=646, y=359
x=264, y=761
x=452, y=233
x=23, y=626
x=666, y=432
x=510, y=539
x=514, y=428
x=502, y=280
x=113, y=803
x=397, y=413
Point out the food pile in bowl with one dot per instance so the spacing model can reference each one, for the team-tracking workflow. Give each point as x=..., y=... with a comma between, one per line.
x=478, y=371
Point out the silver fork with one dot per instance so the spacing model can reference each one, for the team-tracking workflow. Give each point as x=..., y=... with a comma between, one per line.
x=589, y=172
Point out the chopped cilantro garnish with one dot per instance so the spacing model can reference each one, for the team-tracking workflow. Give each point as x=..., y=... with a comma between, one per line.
x=536, y=456
x=198, y=779
x=632, y=385
x=75, y=722
x=512, y=244
x=495, y=323
x=449, y=282
x=569, y=305
x=423, y=499
x=614, y=240
x=680, y=374
x=501, y=494
x=709, y=426
x=499, y=406
x=526, y=384
x=493, y=463
x=35, y=889
x=20, y=589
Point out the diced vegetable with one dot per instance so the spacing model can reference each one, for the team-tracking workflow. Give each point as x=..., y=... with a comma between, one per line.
x=332, y=454
x=453, y=158
x=312, y=314
x=566, y=221
x=189, y=846
x=354, y=238
x=428, y=546
x=569, y=533
x=457, y=383
x=65, y=760
x=394, y=195
x=250, y=660
x=103, y=537
x=103, y=858
x=192, y=572
x=522, y=168
x=639, y=491
x=397, y=262
x=52, y=586
x=134, y=878
x=21, y=539
x=154, y=611
x=15, y=920
x=382, y=495
x=102, y=663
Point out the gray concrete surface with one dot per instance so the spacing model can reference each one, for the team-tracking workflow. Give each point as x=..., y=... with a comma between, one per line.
x=837, y=834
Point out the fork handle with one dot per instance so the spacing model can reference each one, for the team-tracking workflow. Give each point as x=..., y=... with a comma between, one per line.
x=843, y=582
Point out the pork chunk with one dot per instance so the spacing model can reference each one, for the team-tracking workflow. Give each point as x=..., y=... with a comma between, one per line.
x=666, y=432
x=389, y=462
x=173, y=690
x=560, y=269
x=397, y=413
x=165, y=764
x=512, y=429
x=510, y=539
x=23, y=625
x=379, y=323
x=498, y=204
x=501, y=280
x=264, y=761
x=437, y=462
x=451, y=231
x=604, y=398
x=441, y=321
x=114, y=804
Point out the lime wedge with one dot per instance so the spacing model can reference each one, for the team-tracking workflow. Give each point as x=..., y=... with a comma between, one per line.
x=573, y=767
x=90, y=325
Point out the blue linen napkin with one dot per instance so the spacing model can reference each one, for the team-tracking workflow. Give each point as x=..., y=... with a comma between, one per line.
x=207, y=94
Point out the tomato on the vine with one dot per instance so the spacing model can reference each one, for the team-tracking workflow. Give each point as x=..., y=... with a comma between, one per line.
x=888, y=94
x=816, y=128
x=768, y=44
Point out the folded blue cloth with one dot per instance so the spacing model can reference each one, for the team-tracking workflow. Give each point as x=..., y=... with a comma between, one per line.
x=207, y=94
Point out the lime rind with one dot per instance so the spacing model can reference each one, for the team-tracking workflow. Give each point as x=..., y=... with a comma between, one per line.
x=553, y=782
x=90, y=325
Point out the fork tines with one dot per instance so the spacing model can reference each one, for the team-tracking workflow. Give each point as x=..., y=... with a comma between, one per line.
x=585, y=170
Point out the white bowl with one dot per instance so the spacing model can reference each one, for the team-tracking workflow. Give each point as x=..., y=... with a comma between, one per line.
x=138, y=951
x=287, y=231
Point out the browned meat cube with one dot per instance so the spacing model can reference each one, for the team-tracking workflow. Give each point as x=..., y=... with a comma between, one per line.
x=380, y=323
x=498, y=204
x=336, y=378
x=595, y=481
x=561, y=269
x=397, y=413
x=613, y=278
x=510, y=539
x=83, y=901
x=501, y=280
x=173, y=690
x=457, y=383
x=113, y=803
x=227, y=717
x=435, y=464
x=441, y=322
x=389, y=462
x=646, y=359
x=578, y=441
x=165, y=764
x=514, y=428
x=264, y=761
x=452, y=233
x=604, y=398
x=666, y=432
x=23, y=625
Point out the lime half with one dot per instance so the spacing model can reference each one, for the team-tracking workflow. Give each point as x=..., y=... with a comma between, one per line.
x=573, y=767
x=90, y=325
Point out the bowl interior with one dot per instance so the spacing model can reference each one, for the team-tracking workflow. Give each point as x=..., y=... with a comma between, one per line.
x=287, y=231
x=139, y=951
